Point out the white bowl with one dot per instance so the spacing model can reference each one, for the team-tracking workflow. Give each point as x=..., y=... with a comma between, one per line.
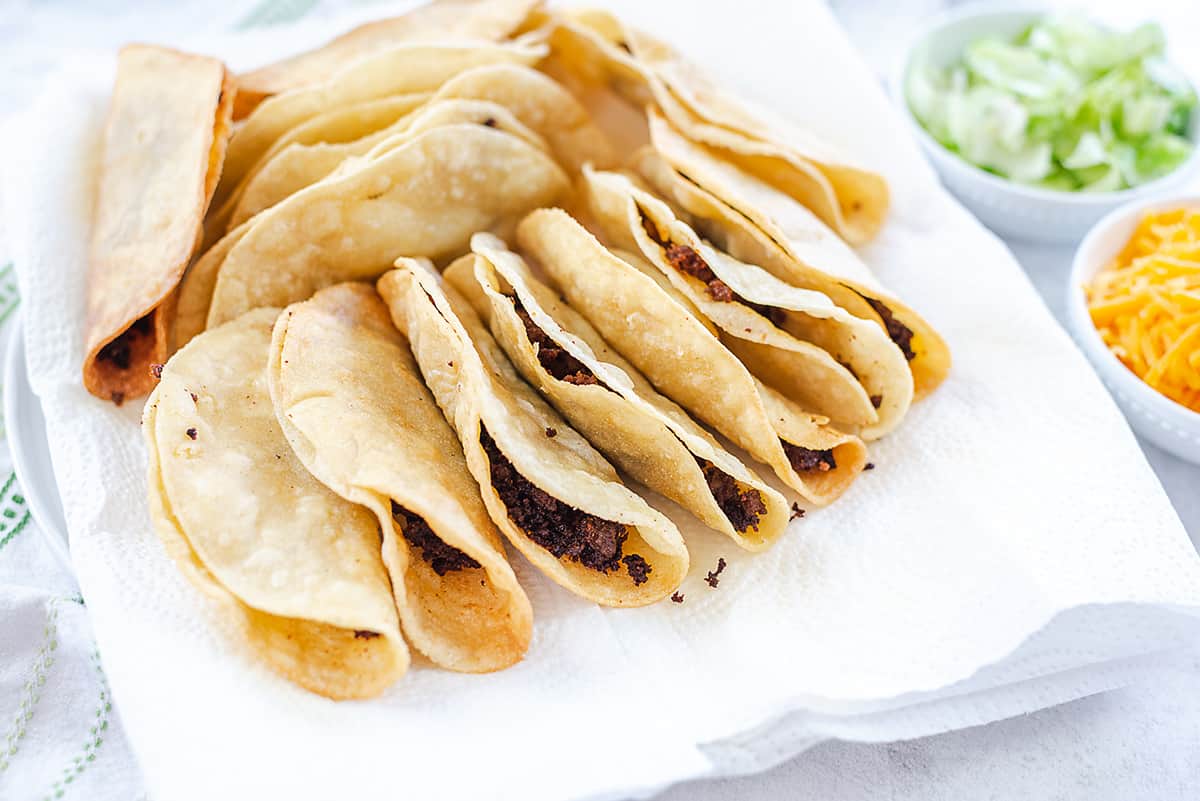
x=1006, y=207
x=1164, y=422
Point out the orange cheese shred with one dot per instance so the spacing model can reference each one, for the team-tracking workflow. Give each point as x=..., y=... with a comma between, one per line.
x=1146, y=304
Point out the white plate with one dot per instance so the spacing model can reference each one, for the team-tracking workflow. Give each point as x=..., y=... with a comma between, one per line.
x=1023, y=212
x=26, y=430
x=1167, y=424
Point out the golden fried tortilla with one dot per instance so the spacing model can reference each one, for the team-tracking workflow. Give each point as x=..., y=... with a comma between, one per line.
x=611, y=403
x=554, y=496
x=352, y=404
x=440, y=20
x=425, y=197
x=757, y=223
x=298, y=166
x=342, y=124
x=796, y=340
x=408, y=69
x=687, y=363
x=295, y=570
x=164, y=144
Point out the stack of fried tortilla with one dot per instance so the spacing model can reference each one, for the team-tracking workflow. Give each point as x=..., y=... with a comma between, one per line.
x=476, y=274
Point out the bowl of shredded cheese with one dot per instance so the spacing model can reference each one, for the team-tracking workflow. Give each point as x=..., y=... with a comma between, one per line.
x=1134, y=305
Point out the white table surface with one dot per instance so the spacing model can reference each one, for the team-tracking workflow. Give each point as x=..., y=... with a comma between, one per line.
x=1137, y=743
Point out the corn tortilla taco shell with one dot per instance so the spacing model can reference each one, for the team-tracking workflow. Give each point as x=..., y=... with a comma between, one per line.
x=295, y=570
x=164, y=145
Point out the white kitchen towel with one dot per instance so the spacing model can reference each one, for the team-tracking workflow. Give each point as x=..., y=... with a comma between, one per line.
x=1012, y=549
x=60, y=735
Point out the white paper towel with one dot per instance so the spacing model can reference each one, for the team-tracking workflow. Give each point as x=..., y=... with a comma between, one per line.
x=1011, y=550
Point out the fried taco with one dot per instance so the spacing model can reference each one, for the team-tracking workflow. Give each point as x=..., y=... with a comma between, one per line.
x=403, y=70
x=164, y=144
x=296, y=569
x=608, y=401
x=756, y=223
x=687, y=363
x=536, y=102
x=557, y=500
x=351, y=403
x=611, y=85
x=541, y=104
x=333, y=127
x=437, y=21
x=796, y=340
x=848, y=197
x=425, y=197
x=604, y=56
x=300, y=166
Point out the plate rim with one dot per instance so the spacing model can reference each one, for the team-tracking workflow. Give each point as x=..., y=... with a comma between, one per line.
x=47, y=513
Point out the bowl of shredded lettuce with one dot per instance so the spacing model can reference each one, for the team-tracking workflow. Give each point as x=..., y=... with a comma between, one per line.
x=1043, y=123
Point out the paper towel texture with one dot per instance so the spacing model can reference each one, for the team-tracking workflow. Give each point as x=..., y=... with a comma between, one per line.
x=1011, y=550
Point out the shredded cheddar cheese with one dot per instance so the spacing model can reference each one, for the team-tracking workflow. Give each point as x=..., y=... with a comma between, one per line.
x=1146, y=304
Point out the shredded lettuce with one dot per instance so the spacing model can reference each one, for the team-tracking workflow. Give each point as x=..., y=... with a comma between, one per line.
x=1065, y=105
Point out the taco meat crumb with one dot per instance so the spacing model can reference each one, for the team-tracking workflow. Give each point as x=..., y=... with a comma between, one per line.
x=191, y=433
x=637, y=567
x=713, y=577
x=564, y=531
x=742, y=507
x=805, y=460
x=719, y=291
x=869, y=466
x=677, y=597
x=443, y=558
x=797, y=512
x=556, y=361
x=689, y=262
x=897, y=331
x=551, y=432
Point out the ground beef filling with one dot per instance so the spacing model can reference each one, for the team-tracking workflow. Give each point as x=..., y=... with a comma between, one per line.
x=562, y=530
x=742, y=507
x=806, y=460
x=120, y=350
x=441, y=557
x=897, y=331
x=638, y=568
x=556, y=361
x=689, y=262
